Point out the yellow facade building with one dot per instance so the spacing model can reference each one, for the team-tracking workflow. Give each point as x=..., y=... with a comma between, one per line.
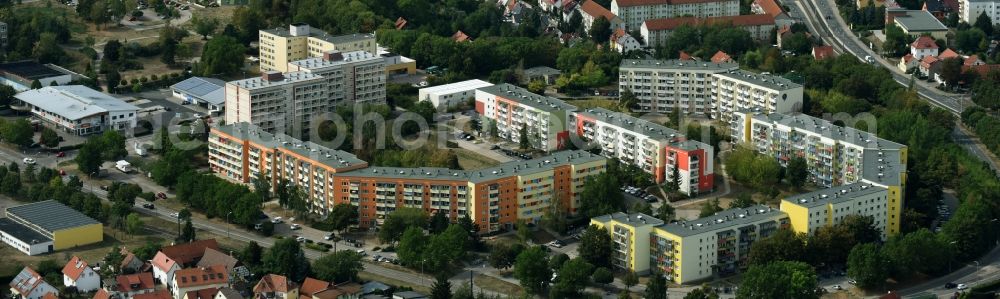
x=280, y=46
x=48, y=226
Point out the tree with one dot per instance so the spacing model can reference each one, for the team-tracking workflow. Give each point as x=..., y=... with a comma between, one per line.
x=262, y=185
x=862, y=228
x=744, y=200
x=951, y=71
x=596, y=246
x=47, y=50
x=439, y=222
x=188, y=234
x=113, y=144
x=205, y=26
x=49, y=138
x=286, y=258
x=532, y=269
x=113, y=258
x=342, y=216
x=412, y=246
x=537, y=86
x=921, y=251
x=133, y=224
x=503, y=255
x=441, y=288
x=601, y=196
x=602, y=275
x=446, y=248
x=868, y=265
x=781, y=279
x=573, y=277
x=665, y=212
x=251, y=256
x=556, y=262
x=704, y=292
x=600, y=30
x=657, y=288
x=797, y=171
x=523, y=231
x=19, y=132
x=984, y=23
x=523, y=142
x=674, y=184
x=337, y=267
x=36, y=84
x=88, y=159
x=398, y=221
x=630, y=279
x=222, y=55
x=968, y=40
x=896, y=41
x=710, y=207
x=784, y=245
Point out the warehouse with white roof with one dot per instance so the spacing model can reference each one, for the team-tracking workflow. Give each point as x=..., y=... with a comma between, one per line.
x=207, y=92
x=78, y=109
x=451, y=95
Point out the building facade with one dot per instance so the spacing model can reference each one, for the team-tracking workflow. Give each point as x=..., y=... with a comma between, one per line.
x=355, y=77
x=657, y=31
x=634, y=12
x=279, y=102
x=3, y=35
x=687, y=251
x=656, y=149
x=451, y=95
x=835, y=155
x=664, y=85
x=827, y=207
x=77, y=109
x=77, y=273
x=969, y=10
x=740, y=90
x=280, y=46
x=516, y=110
x=28, y=284
x=50, y=221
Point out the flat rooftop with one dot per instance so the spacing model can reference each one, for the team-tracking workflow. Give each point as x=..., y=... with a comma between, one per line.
x=73, y=101
x=767, y=81
x=208, y=89
x=323, y=35
x=504, y=170
x=286, y=78
x=883, y=166
x=727, y=219
x=29, y=70
x=321, y=154
x=456, y=87
x=541, y=71
x=346, y=58
x=803, y=122
x=632, y=219
x=50, y=216
x=677, y=64
x=643, y=127
x=834, y=195
x=21, y=232
x=919, y=21
x=528, y=98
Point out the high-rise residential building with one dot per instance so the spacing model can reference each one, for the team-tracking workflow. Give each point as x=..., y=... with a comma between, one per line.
x=244, y=152
x=738, y=90
x=280, y=46
x=495, y=197
x=656, y=31
x=516, y=110
x=656, y=149
x=634, y=12
x=664, y=85
x=687, y=251
x=279, y=102
x=810, y=211
x=969, y=10
x=355, y=77
x=835, y=155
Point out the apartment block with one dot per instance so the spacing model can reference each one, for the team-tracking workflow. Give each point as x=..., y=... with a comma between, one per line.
x=664, y=85
x=654, y=148
x=243, y=152
x=835, y=155
x=515, y=110
x=688, y=251
x=969, y=10
x=451, y=95
x=738, y=90
x=280, y=46
x=827, y=207
x=355, y=77
x=495, y=198
x=634, y=12
x=279, y=102
x=657, y=31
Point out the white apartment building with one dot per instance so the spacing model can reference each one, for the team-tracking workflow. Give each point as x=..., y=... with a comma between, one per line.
x=969, y=10
x=634, y=12
x=78, y=109
x=664, y=85
x=828, y=207
x=278, y=102
x=512, y=109
x=739, y=90
x=280, y=46
x=651, y=147
x=355, y=77
x=451, y=95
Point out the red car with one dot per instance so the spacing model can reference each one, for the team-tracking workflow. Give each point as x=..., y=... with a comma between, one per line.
x=161, y=195
x=60, y=154
x=62, y=172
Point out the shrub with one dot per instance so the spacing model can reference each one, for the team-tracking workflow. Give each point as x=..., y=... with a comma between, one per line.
x=153, y=77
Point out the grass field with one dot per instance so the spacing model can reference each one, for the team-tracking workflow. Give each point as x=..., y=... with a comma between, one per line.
x=593, y=103
x=471, y=160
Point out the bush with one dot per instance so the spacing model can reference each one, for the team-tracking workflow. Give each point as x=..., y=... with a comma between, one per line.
x=309, y=244
x=143, y=79
x=147, y=196
x=133, y=81
x=153, y=77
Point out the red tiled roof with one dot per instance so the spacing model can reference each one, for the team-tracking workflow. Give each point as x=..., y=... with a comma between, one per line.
x=215, y=257
x=208, y=293
x=335, y=292
x=906, y=58
x=981, y=69
x=189, y=252
x=50, y=295
x=101, y=294
x=459, y=36
x=972, y=60
x=163, y=262
x=721, y=57
x=593, y=9
x=618, y=33
x=684, y=56
x=141, y=281
x=400, y=23
x=274, y=283
x=312, y=285
x=924, y=42
x=200, y=276
x=158, y=294
x=744, y=20
x=626, y=3
x=770, y=7
x=948, y=53
x=822, y=52
x=74, y=268
x=928, y=61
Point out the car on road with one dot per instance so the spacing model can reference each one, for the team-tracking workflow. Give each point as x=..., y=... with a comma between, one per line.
x=493, y=147
x=276, y=220
x=837, y=287
x=161, y=195
x=361, y=252
x=60, y=154
x=300, y=239
x=148, y=206
x=331, y=237
x=950, y=285
x=294, y=227
x=175, y=215
x=961, y=286
x=556, y=244
x=28, y=161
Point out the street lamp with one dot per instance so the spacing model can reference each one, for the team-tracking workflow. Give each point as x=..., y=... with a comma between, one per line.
x=950, y=258
x=227, y=224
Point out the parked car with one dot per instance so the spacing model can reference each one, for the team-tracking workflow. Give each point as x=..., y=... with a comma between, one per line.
x=950, y=285
x=148, y=206
x=329, y=237
x=60, y=154
x=294, y=227
x=961, y=286
x=276, y=220
x=300, y=239
x=28, y=161
x=175, y=215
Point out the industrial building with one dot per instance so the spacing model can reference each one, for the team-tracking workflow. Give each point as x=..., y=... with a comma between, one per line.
x=48, y=226
x=451, y=95
x=77, y=109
